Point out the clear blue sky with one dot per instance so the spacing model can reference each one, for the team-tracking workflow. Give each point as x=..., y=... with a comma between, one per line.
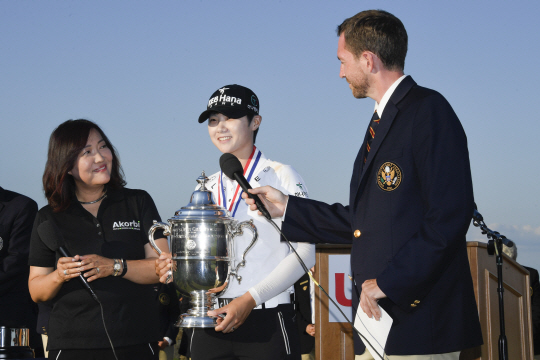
x=144, y=70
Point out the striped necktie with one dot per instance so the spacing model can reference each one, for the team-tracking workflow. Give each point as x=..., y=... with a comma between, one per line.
x=371, y=132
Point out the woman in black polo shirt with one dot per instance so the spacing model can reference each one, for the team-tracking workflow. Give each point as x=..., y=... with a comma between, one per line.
x=104, y=225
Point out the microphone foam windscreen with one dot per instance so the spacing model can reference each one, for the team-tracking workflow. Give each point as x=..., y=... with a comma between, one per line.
x=50, y=235
x=230, y=164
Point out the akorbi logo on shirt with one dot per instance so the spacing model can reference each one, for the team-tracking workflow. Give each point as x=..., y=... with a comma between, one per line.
x=127, y=225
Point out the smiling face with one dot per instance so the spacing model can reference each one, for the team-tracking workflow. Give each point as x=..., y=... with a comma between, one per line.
x=352, y=69
x=233, y=136
x=92, y=169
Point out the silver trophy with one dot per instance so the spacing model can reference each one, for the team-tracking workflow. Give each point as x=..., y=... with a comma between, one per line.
x=201, y=238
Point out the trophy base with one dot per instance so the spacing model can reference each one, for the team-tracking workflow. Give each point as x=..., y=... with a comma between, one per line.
x=190, y=321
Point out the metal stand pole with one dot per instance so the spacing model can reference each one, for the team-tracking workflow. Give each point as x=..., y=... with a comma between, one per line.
x=503, y=344
x=495, y=246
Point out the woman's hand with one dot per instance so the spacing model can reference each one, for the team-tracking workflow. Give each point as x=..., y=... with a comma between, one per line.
x=164, y=267
x=96, y=267
x=237, y=312
x=44, y=283
x=68, y=268
x=217, y=290
x=163, y=344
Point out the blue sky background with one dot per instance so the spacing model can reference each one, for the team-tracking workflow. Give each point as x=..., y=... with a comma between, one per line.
x=144, y=70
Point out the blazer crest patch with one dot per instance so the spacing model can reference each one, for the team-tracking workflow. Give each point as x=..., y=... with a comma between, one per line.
x=164, y=299
x=389, y=176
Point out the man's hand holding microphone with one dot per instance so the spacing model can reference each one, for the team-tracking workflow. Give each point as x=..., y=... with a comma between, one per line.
x=274, y=200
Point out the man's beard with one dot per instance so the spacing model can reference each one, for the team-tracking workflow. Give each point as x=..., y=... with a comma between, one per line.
x=360, y=91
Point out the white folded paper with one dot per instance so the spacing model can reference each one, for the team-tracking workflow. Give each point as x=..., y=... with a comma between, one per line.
x=374, y=331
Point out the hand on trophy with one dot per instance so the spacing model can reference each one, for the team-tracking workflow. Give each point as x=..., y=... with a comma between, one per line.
x=218, y=289
x=274, y=200
x=237, y=311
x=164, y=267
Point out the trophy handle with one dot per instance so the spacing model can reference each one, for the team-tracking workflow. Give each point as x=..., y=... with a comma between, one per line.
x=238, y=231
x=158, y=225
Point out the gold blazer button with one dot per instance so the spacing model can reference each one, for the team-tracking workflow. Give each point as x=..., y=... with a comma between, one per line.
x=357, y=233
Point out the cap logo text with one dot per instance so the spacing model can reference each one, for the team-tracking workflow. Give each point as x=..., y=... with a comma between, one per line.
x=224, y=99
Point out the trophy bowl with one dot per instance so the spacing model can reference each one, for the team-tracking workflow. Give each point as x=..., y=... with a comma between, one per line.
x=201, y=239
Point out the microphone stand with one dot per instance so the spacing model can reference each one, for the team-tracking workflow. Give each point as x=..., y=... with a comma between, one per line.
x=495, y=244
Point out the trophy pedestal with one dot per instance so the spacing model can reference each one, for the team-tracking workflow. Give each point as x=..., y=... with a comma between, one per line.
x=190, y=321
x=197, y=317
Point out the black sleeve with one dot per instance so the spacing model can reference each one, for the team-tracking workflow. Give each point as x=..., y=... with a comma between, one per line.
x=174, y=313
x=14, y=263
x=308, y=220
x=535, y=307
x=169, y=311
x=40, y=254
x=302, y=302
x=149, y=213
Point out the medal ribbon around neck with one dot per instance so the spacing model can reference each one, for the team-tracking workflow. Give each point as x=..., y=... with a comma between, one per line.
x=250, y=168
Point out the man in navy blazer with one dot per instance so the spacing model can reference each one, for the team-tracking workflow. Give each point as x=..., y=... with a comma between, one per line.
x=17, y=213
x=411, y=201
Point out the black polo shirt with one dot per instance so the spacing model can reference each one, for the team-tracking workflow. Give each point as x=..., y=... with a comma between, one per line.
x=119, y=231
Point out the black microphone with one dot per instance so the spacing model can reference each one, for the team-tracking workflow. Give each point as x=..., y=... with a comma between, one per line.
x=230, y=165
x=52, y=237
x=509, y=243
x=480, y=219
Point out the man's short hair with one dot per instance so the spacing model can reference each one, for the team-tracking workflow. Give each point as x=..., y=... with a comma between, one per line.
x=377, y=31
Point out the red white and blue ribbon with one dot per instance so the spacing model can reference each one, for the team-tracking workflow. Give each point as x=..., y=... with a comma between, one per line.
x=249, y=169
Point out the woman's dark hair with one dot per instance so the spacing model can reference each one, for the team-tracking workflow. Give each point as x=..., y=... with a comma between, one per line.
x=65, y=145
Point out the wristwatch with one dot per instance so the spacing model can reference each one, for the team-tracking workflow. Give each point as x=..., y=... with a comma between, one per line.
x=117, y=267
x=124, y=267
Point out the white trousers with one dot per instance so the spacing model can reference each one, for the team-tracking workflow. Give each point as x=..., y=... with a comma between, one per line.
x=446, y=356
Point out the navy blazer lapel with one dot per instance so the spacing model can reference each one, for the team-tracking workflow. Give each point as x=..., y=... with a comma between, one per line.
x=358, y=166
x=389, y=114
